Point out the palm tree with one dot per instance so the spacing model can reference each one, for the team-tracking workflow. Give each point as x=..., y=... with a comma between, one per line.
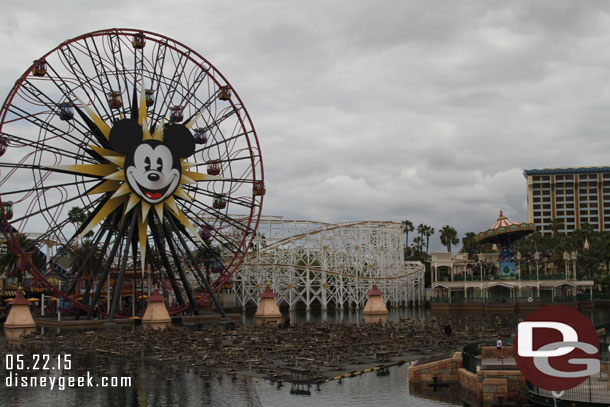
x=407, y=226
x=449, y=236
x=429, y=231
x=76, y=216
x=418, y=243
x=9, y=262
x=421, y=230
x=556, y=224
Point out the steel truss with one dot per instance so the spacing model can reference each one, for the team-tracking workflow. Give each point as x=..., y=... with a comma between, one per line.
x=307, y=262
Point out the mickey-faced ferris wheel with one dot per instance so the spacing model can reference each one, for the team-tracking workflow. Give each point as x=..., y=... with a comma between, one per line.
x=152, y=146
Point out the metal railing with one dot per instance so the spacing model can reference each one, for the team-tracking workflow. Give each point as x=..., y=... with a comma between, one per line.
x=507, y=300
x=593, y=391
x=523, y=277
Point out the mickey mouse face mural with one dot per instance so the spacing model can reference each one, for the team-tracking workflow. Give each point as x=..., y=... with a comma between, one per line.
x=152, y=167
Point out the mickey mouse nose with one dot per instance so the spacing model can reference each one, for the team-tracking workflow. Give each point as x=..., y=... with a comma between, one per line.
x=153, y=177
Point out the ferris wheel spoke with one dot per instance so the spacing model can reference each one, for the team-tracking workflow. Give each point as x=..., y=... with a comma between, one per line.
x=171, y=91
x=68, y=95
x=44, y=147
x=85, y=261
x=57, y=230
x=194, y=263
x=46, y=209
x=157, y=69
x=85, y=81
x=217, y=214
x=41, y=188
x=177, y=263
x=221, y=142
x=95, y=271
x=104, y=276
x=46, y=126
x=100, y=67
x=119, y=64
x=168, y=268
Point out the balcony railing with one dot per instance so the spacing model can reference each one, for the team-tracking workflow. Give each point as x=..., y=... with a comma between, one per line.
x=524, y=277
x=509, y=301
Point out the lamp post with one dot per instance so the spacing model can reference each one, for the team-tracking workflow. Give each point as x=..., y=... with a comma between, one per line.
x=537, y=258
x=574, y=259
x=566, y=259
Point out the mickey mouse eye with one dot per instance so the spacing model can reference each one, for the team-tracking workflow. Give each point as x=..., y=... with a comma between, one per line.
x=147, y=164
x=159, y=164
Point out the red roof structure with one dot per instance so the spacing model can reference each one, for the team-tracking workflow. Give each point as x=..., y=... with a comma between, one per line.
x=375, y=291
x=19, y=299
x=156, y=297
x=268, y=293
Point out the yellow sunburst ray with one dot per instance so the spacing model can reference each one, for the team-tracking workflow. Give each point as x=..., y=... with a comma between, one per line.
x=170, y=203
x=105, y=186
x=187, y=180
x=133, y=201
x=104, y=152
x=104, y=128
x=105, y=210
x=122, y=190
x=146, y=131
x=194, y=119
x=180, y=193
x=186, y=164
x=142, y=233
x=117, y=175
x=142, y=114
x=100, y=170
x=159, y=211
x=120, y=161
x=158, y=134
x=145, y=208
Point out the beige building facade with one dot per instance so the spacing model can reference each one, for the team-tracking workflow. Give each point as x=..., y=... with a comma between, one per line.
x=574, y=196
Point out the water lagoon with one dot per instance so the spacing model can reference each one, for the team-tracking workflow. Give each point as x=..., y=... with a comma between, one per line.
x=154, y=384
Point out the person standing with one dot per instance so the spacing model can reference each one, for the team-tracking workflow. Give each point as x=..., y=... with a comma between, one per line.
x=499, y=346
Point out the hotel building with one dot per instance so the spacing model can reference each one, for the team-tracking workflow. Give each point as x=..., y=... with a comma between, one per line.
x=574, y=196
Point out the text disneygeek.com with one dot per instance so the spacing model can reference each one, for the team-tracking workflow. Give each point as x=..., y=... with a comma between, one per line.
x=61, y=382
x=19, y=367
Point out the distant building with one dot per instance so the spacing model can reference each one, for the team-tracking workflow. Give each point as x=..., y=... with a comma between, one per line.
x=573, y=196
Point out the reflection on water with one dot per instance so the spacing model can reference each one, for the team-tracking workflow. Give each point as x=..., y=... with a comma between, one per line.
x=181, y=386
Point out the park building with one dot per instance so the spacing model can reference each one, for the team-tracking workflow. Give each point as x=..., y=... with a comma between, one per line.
x=506, y=280
x=574, y=196
x=458, y=282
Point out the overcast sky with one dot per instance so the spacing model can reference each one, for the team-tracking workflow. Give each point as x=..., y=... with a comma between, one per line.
x=382, y=110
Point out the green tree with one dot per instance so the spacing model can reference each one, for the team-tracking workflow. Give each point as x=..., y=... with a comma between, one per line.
x=556, y=225
x=470, y=245
x=429, y=231
x=418, y=243
x=449, y=237
x=407, y=226
x=76, y=216
x=9, y=261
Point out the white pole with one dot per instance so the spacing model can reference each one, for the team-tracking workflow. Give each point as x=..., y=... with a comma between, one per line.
x=58, y=303
x=42, y=305
x=108, y=295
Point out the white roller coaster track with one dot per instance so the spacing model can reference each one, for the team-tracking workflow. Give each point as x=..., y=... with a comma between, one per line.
x=307, y=262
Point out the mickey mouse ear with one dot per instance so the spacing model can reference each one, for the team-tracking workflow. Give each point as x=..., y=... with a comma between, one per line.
x=125, y=135
x=179, y=139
